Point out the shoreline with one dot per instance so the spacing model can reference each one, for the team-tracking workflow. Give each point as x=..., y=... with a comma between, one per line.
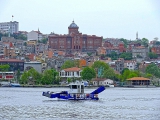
x=64, y=86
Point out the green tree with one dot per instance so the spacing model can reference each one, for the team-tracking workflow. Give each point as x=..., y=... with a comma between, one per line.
x=31, y=76
x=69, y=80
x=126, y=56
x=152, y=55
x=18, y=75
x=153, y=69
x=44, y=41
x=145, y=42
x=24, y=78
x=4, y=68
x=49, y=77
x=34, y=76
x=68, y=64
x=88, y=73
x=109, y=73
x=113, y=55
x=19, y=36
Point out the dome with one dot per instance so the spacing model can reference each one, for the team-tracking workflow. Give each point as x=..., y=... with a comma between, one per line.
x=73, y=25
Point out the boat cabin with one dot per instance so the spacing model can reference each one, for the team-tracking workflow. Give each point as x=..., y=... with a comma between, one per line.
x=77, y=87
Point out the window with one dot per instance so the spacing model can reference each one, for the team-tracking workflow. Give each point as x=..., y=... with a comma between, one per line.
x=74, y=86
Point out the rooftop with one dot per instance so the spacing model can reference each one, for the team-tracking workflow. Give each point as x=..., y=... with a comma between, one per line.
x=138, y=78
x=73, y=25
x=73, y=69
x=10, y=60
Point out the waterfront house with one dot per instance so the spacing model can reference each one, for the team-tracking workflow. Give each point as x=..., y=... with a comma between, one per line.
x=138, y=81
x=102, y=81
x=73, y=72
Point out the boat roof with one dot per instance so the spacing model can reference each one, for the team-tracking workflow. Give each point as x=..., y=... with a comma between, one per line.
x=77, y=83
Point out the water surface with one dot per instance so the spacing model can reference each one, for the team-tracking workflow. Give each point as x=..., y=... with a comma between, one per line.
x=114, y=104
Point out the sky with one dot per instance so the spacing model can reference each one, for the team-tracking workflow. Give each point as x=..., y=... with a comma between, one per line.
x=107, y=18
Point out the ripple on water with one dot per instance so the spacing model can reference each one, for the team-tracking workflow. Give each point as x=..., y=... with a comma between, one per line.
x=123, y=106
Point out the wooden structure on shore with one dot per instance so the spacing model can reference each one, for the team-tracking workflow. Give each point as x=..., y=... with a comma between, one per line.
x=138, y=81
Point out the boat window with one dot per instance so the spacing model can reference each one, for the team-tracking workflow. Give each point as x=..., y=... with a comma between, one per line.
x=82, y=87
x=74, y=86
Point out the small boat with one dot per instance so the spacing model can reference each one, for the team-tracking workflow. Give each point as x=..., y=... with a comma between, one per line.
x=76, y=92
x=15, y=85
x=5, y=84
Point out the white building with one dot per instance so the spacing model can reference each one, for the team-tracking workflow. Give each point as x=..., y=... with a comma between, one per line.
x=34, y=35
x=12, y=27
x=130, y=64
x=70, y=72
x=104, y=82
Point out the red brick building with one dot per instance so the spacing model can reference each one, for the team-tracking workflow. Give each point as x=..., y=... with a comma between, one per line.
x=74, y=41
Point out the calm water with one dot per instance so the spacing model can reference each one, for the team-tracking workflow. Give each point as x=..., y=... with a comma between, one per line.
x=114, y=104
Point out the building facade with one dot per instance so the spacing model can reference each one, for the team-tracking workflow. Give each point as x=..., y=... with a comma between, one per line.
x=10, y=27
x=33, y=64
x=34, y=35
x=70, y=73
x=74, y=40
x=14, y=64
x=140, y=52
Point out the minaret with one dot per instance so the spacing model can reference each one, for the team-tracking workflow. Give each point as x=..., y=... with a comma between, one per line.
x=137, y=36
x=9, y=32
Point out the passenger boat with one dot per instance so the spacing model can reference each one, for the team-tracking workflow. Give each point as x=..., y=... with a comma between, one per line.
x=76, y=92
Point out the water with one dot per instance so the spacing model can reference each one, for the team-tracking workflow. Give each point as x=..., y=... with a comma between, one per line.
x=114, y=104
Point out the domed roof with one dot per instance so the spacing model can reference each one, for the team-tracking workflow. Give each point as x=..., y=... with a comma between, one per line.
x=73, y=25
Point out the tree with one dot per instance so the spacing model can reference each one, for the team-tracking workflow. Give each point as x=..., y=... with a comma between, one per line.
x=24, y=78
x=88, y=73
x=109, y=73
x=124, y=70
x=34, y=76
x=98, y=64
x=105, y=69
x=145, y=42
x=68, y=64
x=126, y=56
x=49, y=76
x=153, y=69
x=4, y=68
x=152, y=55
x=19, y=36
x=69, y=80
x=113, y=55
x=18, y=75
x=156, y=38
x=44, y=40
x=30, y=76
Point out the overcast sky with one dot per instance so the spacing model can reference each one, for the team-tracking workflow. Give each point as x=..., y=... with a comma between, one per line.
x=107, y=18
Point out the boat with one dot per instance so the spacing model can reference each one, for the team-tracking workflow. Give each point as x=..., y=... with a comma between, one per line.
x=9, y=84
x=15, y=85
x=76, y=92
x=5, y=84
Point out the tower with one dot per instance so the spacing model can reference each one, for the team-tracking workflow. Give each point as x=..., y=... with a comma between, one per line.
x=137, y=36
x=73, y=28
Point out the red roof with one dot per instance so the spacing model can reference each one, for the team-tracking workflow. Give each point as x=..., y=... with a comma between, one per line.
x=10, y=60
x=73, y=69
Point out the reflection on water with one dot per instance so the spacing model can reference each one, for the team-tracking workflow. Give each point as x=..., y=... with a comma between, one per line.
x=114, y=104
